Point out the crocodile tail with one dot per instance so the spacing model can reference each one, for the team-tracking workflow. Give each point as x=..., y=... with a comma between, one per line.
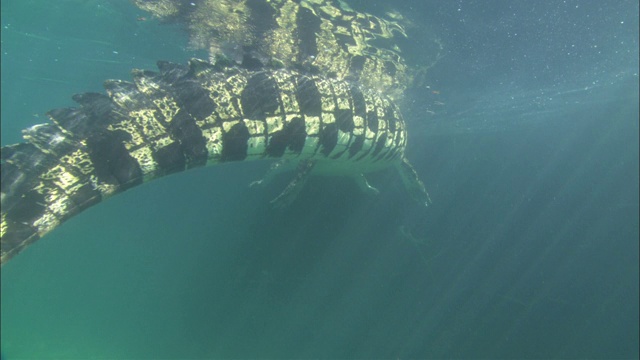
x=110, y=143
x=180, y=118
x=42, y=187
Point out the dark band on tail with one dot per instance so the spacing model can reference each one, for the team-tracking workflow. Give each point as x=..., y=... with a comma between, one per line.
x=179, y=118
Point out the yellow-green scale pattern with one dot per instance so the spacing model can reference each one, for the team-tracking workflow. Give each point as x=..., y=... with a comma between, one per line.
x=183, y=117
x=319, y=36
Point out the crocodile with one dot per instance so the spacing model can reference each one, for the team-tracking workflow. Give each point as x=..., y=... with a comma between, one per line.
x=187, y=116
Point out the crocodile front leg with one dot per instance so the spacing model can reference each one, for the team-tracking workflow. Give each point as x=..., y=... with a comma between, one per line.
x=275, y=169
x=364, y=186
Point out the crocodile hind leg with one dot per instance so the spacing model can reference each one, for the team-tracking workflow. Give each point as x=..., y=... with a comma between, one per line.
x=289, y=194
x=412, y=183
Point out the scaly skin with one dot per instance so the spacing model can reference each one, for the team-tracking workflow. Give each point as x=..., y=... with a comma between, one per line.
x=317, y=36
x=185, y=117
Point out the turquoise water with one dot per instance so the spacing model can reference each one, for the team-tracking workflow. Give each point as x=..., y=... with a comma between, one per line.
x=525, y=132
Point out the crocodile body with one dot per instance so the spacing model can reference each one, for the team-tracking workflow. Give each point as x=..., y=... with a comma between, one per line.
x=184, y=117
x=317, y=36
